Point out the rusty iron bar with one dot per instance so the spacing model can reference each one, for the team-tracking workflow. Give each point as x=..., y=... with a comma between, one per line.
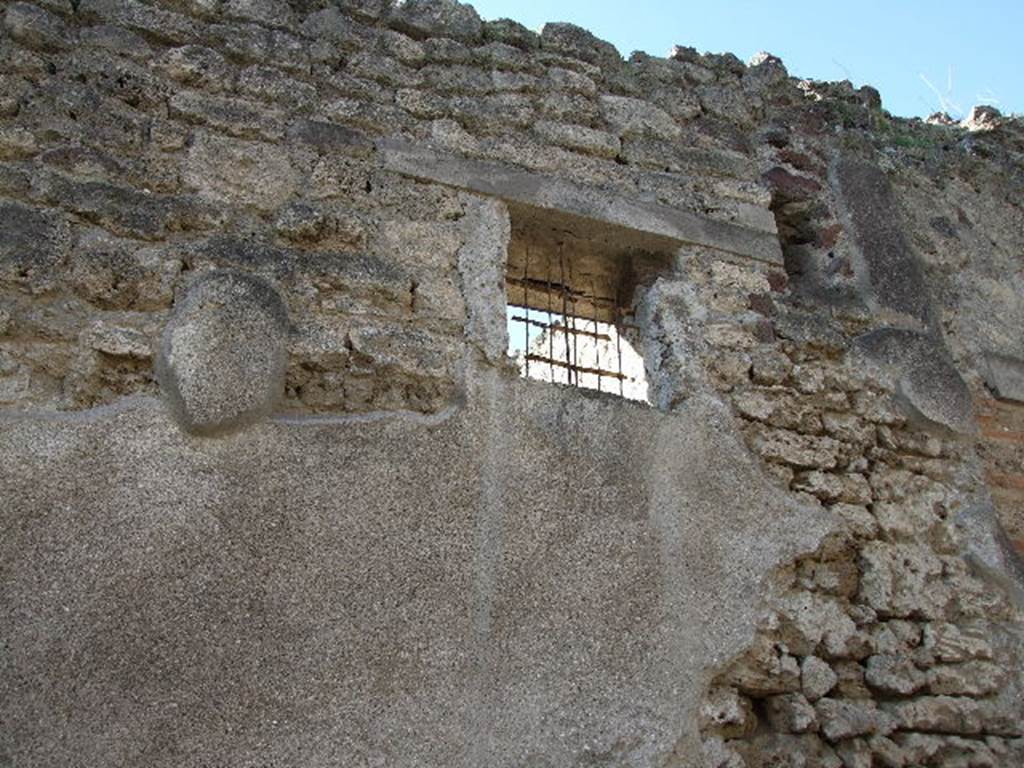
x=526, y=328
x=572, y=318
x=546, y=286
x=560, y=329
x=618, y=347
x=551, y=338
x=580, y=369
x=597, y=348
x=570, y=370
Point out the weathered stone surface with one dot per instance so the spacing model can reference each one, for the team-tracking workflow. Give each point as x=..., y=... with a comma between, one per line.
x=797, y=450
x=223, y=355
x=925, y=375
x=632, y=117
x=845, y=719
x=950, y=643
x=236, y=171
x=331, y=138
x=32, y=245
x=397, y=553
x=570, y=40
x=35, y=28
x=579, y=138
x=791, y=713
x=1004, y=376
x=546, y=192
x=816, y=678
x=196, y=65
x=939, y=714
x=895, y=675
x=442, y=18
x=728, y=712
x=511, y=33
x=893, y=269
x=903, y=580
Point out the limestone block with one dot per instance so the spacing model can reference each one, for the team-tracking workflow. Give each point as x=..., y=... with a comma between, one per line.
x=223, y=354
x=791, y=713
x=236, y=117
x=797, y=450
x=440, y=18
x=728, y=712
x=765, y=671
x=894, y=675
x=579, y=138
x=240, y=172
x=972, y=678
x=631, y=117
x=858, y=519
x=942, y=714
x=196, y=65
x=117, y=341
x=578, y=43
x=950, y=643
x=33, y=243
x=816, y=678
x=841, y=719
x=35, y=28
x=903, y=580
x=511, y=33
x=719, y=754
x=810, y=620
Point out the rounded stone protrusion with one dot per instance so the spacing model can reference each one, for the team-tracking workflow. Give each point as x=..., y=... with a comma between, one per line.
x=223, y=355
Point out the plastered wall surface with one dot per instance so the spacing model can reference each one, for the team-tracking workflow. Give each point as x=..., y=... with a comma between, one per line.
x=273, y=492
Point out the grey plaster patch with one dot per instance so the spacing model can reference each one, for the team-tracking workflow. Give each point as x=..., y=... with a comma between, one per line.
x=1004, y=376
x=502, y=181
x=923, y=374
x=223, y=355
x=894, y=279
x=541, y=578
x=482, y=260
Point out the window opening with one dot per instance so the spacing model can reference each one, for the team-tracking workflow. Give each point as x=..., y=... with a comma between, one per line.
x=568, y=323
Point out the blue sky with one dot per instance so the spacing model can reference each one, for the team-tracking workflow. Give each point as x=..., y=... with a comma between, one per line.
x=920, y=55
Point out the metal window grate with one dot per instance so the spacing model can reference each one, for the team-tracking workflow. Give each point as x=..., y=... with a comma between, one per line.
x=563, y=329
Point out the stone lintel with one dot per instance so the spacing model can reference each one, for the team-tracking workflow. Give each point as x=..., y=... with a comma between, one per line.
x=502, y=181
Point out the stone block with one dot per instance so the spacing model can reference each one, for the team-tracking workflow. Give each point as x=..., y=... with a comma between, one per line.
x=816, y=678
x=437, y=18
x=1004, y=375
x=630, y=117
x=578, y=43
x=33, y=245
x=579, y=138
x=36, y=28
x=841, y=719
x=240, y=172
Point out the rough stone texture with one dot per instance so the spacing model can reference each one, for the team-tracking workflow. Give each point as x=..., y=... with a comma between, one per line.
x=1005, y=377
x=223, y=355
x=924, y=375
x=893, y=270
x=340, y=530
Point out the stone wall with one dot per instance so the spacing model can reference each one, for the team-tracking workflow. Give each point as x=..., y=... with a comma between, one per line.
x=275, y=494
